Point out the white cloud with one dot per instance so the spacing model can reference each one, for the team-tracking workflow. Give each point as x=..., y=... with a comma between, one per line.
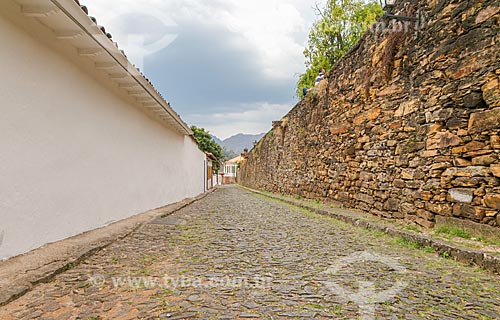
x=269, y=27
x=256, y=119
x=272, y=32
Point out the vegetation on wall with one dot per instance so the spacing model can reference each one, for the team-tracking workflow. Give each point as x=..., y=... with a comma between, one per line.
x=340, y=25
x=207, y=144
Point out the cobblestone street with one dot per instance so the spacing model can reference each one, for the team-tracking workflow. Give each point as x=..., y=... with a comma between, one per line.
x=236, y=255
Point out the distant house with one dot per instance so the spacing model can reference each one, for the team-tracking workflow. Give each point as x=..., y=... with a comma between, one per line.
x=86, y=138
x=231, y=168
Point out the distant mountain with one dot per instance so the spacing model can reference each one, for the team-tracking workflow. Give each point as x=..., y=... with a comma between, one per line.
x=217, y=140
x=241, y=141
x=237, y=143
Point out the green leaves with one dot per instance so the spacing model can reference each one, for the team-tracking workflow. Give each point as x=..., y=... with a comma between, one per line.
x=207, y=144
x=340, y=25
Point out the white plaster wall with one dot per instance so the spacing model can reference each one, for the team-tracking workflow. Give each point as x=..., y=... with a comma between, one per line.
x=75, y=154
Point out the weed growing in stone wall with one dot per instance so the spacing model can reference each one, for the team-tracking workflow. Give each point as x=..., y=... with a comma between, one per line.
x=394, y=40
x=396, y=34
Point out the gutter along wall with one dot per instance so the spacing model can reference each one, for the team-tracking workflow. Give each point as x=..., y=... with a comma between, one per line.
x=78, y=151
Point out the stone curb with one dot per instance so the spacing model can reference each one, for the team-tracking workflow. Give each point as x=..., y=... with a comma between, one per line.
x=468, y=256
x=22, y=273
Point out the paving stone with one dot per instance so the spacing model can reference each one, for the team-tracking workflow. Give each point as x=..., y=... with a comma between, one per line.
x=187, y=315
x=249, y=315
x=237, y=255
x=250, y=305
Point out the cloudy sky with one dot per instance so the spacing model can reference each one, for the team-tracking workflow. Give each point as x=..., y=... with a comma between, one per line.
x=229, y=66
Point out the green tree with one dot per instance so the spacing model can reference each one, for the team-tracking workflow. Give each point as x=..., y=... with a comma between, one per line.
x=207, y=144
x=339, y=25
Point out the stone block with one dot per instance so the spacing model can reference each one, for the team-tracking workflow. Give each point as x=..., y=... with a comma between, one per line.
x=392, y=143
x=428, y=153
x=456, y=123
x=466, y=182
x=440, y=166
x=395, y=125
x=384, y=186
x=409, y=193
x=491, y=93
x=391, y=205
x=365, y=198
x=373, y=114
x=414, y=184
x=484, y=121
x=442, y=114
x=472, y=171
x=363, y=206
x=394, y=89
x=495, y=141
x=442, y=209
x=378, y=205
x=359, y=120
x=425, y=223
x=479, y=213
x=443, y=140
x=407, y=174
x=419, y=175
x=491, y=213
x=464, y=70
x=471, y=146
x=484, y=160
x=492, y=201
x=407, y=108
x=408, y=208
x=495, y=170
x=409, y=147
x=364, y=139
x=459, y=162
x=420, y=204
x=429, y=216
x=460, y=195
x=342, y=196
x=477, y=153
x=338, y=129
x=398, y=183
x=432, y=184
x=401, y=161
x=366, y=176
x=486, y=14
x=463, y=210
x=426, y=195
x=434, y=128
x=417, y=162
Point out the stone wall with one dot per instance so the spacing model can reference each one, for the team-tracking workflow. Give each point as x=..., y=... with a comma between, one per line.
x=404, y=127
